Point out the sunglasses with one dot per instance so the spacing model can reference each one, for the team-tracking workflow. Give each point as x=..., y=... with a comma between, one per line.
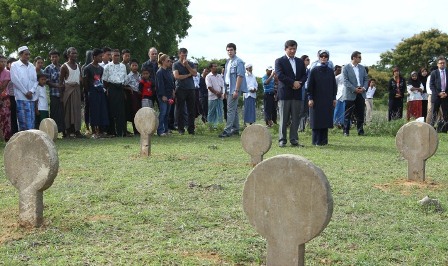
x=323, y=56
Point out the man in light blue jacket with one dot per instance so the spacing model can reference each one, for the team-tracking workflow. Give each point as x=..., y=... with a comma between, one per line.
x=235, y=83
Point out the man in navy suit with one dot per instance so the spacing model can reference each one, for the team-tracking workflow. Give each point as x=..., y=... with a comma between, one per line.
x=291, y=73
x=438, y=85
x=354, y=94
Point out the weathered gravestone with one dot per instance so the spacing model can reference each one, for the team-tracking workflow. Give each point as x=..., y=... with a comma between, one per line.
x=288, y=201
x=49, y=126
x=31, y=164
x=417, y=141
x=256, y=140
x=146, y=123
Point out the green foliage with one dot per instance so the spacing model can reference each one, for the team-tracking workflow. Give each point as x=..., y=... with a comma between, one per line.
x=420, y=50
x=86, y=24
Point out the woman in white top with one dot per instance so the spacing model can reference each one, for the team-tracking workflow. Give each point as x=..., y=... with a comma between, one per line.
x=415, y=89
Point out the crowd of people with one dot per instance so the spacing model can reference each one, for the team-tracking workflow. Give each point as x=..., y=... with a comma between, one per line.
x=113, y=87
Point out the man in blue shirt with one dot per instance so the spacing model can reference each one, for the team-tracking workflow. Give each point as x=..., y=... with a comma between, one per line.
x=268, y=81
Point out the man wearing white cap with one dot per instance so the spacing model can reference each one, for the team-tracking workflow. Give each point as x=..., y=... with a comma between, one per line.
x=24, y=79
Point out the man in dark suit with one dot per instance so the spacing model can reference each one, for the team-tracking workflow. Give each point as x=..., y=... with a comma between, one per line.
x=438, y=85
x=354, y=94
x=291, y=73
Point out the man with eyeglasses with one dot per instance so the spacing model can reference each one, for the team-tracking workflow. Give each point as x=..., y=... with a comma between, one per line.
x=438, y=85
x=24, y=79
x=354, y=95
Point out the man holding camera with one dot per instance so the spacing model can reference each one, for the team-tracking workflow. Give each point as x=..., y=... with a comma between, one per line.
x=354, y=95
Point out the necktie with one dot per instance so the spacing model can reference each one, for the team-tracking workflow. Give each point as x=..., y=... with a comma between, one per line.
x=443, y=80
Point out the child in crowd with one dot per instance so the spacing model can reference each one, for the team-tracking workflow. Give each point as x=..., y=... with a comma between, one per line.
x=42, y=101
x=132, y=83
x=39, y=64
x=146, y=88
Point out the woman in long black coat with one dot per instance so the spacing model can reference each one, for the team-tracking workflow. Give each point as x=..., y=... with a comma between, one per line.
x=322, y=91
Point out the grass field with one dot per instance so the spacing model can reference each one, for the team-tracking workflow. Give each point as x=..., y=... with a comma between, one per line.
x=183, y=205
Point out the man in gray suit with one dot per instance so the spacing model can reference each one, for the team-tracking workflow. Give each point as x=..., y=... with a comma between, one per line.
x=354, y=95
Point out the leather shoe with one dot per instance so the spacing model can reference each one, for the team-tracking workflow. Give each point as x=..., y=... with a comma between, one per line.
x=224, y=135
x=296, y=144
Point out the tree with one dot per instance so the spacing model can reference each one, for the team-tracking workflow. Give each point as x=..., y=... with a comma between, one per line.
x=32, y=23
x=85, y=24
x=420, y=50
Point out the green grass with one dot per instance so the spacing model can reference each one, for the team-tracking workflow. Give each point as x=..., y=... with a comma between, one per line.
x=183, y=205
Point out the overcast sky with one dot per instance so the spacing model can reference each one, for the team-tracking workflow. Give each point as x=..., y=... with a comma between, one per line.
x=260, y=28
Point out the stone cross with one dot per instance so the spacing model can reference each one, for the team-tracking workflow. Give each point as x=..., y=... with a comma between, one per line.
x=49, y=126
x=146, y=123
x=417, y=141
x=31, y=164
x=256, y=140
x=288, y=201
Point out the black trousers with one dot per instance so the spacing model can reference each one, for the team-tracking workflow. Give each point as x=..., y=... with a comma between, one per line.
x=442, y=125
x=357, y=107
x=269, y=107
x=117, y=109
x=204, y=104
x=320, y=136
x=189, y=97
x=57, y=112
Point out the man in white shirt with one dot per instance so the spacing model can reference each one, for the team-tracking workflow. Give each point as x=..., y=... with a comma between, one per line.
x=250, y=114
x=113, y=78
x=24, y=79
x=215, y=86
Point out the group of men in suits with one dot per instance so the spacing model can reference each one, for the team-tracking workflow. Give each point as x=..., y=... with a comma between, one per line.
x=292, y=75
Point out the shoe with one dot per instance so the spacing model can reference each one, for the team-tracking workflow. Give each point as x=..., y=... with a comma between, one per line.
x=236, y=133
x=281, y=144
x=181, y=132
x=191, y=133
x=78, y=135
x=361, y=133
x=346, y=134
x=224, y=135
x=163, y=135
x=296, y=144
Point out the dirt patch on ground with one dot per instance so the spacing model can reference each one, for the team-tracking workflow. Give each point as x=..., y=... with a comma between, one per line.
x=405, y=186
x=10, y=228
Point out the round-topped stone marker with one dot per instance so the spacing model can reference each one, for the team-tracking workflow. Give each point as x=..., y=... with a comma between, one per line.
x=288, y=201
x=49, y=126
x=146, y=122
x=31, y=164
x=417, y=141
x=256, y=141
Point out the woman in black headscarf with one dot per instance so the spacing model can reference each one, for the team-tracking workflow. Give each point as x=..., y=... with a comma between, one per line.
x=415, y=89
x=322, y=90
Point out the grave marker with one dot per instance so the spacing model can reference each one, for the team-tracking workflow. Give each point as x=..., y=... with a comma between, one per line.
x=31, y=164
x=417, y=141
x=49, y=126
x=146, y=123
x=256, y=140
x=288, y=201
